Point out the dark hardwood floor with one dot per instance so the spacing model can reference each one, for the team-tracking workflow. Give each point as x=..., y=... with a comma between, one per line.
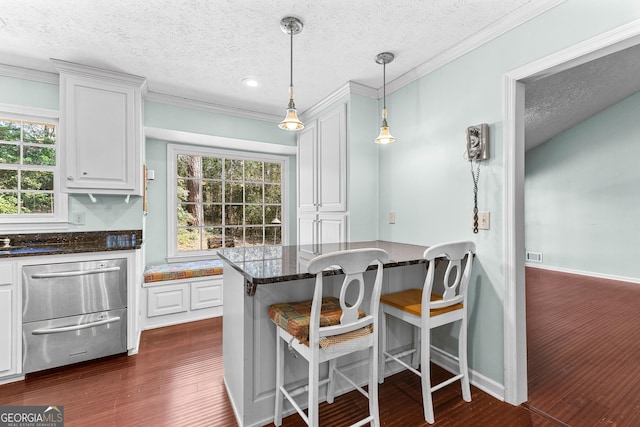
x=584, y=370
x=583, y=348
x=176, y=380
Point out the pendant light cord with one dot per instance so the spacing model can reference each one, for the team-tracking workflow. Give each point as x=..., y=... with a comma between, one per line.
x=291, y=56
x=384, y=85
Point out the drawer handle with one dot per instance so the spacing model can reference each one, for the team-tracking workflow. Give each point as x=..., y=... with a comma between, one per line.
x=75, y=327
x=73, y=273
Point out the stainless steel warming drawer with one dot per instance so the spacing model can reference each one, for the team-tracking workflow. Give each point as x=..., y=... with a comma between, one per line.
x=73, y=312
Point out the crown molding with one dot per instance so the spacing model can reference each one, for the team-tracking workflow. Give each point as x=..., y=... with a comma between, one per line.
x=502, y=26
x=178, y=101
x=347, y=89
x=29, y=74
x=80, y=70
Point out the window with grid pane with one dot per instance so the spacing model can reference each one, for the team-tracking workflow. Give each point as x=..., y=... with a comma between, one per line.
x=27, y=169
x=227, y=202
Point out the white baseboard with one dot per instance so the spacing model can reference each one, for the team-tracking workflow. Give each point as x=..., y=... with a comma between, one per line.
x=11, y=379
x=584, y=273
x=233, y=404
x=447, y=361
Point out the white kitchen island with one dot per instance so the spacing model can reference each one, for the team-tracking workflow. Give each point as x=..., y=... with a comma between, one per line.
x=255, y=278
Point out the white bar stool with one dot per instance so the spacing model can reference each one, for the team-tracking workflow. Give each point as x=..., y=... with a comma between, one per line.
x=439, y=310
x=327, y=328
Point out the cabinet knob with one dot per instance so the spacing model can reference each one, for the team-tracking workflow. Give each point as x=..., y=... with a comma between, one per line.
x=84, y=173
x=69, y=178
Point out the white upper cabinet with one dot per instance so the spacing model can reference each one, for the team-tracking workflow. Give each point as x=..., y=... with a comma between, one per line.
x=101, y=130
x=322, y=164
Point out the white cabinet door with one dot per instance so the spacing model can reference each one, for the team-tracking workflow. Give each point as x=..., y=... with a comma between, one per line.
x=332, y=161
x=322, y=164
x=307, y=170
x=8, y=321
x=6, y=330
x=332, y=228
x=206, y=294
x=307, y=232
x=100, y=130
x=167, y=300
x=315, y=229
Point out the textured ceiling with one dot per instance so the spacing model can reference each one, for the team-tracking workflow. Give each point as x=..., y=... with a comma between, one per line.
x=558, y=102
x=203, y=49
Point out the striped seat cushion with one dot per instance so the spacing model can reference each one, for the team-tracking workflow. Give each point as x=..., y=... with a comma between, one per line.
x=294, y=317
x=183, y=270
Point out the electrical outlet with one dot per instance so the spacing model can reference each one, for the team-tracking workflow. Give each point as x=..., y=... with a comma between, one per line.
x=77, y=218
x=392, y=217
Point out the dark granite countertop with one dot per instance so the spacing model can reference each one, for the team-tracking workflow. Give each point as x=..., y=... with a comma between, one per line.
x=262, y=265
x=38, y=244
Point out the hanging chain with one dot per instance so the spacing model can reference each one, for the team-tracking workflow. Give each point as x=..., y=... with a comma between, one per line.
x=475, y=177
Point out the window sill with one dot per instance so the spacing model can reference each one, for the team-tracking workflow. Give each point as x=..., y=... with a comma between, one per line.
x=199, y=257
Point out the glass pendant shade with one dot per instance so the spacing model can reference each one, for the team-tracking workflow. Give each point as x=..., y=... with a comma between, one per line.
x=384, y=137
x=291, y=121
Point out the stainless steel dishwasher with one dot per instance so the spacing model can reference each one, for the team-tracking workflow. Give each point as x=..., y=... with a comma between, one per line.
x=73, y=312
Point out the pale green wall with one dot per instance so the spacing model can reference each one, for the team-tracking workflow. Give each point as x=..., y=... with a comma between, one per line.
x=582, y=194
x=28, y=93
x=200, y=122
x=362, y=160
x=426, y=181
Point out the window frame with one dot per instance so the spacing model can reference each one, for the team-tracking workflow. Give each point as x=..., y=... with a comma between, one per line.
x=59, y=218
x=173, y=150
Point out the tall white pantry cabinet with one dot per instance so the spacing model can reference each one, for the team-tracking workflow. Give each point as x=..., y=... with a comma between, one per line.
x=322, y=179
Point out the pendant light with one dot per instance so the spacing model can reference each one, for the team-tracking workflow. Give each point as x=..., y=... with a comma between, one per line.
x=291, y=26
x=384, y=137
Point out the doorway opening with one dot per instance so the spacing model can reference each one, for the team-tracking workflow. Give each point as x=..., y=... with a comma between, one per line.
x=515, y=354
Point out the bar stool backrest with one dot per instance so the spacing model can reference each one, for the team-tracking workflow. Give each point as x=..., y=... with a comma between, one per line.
x=353, y=264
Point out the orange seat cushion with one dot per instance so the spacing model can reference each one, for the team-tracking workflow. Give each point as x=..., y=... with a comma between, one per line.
x=294, y=317
x=411, y=302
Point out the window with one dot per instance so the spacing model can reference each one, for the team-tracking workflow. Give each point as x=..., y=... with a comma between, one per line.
x=225, y=199
x=29, y=170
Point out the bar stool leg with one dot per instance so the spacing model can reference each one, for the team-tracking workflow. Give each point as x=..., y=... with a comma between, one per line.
x=331, y=385
x=373, y=386
x=382, y=343
x=279, y=379
x=462, y=358
x=425, y=369
x=415, y=360
x=314, y=380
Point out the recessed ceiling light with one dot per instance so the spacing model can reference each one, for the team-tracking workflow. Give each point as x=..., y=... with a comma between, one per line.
x=250, y=82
